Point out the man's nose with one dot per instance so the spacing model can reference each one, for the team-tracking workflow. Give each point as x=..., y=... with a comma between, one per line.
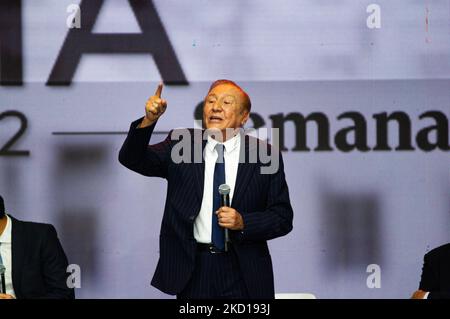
x=217, y=107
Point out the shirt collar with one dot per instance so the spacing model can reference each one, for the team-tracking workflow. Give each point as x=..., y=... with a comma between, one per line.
x=5, y=237
x=229, y=145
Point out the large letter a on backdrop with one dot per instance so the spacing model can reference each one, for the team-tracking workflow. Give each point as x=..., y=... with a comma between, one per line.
x=153, y=40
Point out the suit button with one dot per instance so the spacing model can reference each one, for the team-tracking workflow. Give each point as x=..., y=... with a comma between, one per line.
x=192, y=218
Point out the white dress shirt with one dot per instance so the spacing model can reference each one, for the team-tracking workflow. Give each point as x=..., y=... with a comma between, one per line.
x=6, y=253
x=203, y=222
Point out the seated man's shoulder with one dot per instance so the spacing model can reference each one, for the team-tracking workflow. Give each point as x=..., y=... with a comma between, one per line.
x=443, y=250
x=36, y=226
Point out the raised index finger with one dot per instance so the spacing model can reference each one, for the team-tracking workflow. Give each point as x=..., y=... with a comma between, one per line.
x=159, y=90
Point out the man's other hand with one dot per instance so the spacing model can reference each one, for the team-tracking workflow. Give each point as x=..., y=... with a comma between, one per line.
x=419, y=294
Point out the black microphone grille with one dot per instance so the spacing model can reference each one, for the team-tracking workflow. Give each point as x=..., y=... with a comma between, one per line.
x=224, y=189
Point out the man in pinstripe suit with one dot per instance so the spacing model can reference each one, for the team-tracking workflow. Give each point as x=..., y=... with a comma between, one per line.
x=193, y=262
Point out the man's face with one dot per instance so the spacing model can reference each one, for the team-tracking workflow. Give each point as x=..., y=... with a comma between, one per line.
x=223, y=108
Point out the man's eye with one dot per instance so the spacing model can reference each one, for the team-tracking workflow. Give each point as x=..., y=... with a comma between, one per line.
x=227, y=102
x=210, y=101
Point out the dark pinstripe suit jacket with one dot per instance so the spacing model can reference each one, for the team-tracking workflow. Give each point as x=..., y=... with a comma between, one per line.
x=261, y=199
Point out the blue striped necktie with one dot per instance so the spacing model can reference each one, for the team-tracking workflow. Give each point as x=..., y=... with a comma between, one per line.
x=218, y=233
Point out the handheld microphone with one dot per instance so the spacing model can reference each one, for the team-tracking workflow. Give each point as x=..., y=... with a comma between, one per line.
x=224, y=191
x=2, y=275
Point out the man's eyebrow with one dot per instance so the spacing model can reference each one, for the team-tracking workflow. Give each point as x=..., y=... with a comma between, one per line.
x=211, y=94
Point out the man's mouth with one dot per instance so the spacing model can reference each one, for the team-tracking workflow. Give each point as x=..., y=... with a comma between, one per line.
x=215, y=118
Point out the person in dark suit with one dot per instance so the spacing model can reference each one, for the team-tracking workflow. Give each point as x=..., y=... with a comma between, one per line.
x=34, y=261
x=435, y=280
x=193, y=260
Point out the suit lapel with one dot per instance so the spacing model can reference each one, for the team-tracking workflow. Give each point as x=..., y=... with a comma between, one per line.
x=18, y=254
x=199, y=170
x=245, y=170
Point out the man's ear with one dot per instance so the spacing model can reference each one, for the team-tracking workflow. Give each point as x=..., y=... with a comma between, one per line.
x=245, y=117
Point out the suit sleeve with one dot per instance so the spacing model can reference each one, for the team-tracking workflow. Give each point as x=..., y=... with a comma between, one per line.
x=276, y=220
x=137, y=155
x=54, y=267
x=430, y=278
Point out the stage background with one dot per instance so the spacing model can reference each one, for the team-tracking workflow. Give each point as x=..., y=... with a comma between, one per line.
x=352, y=209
